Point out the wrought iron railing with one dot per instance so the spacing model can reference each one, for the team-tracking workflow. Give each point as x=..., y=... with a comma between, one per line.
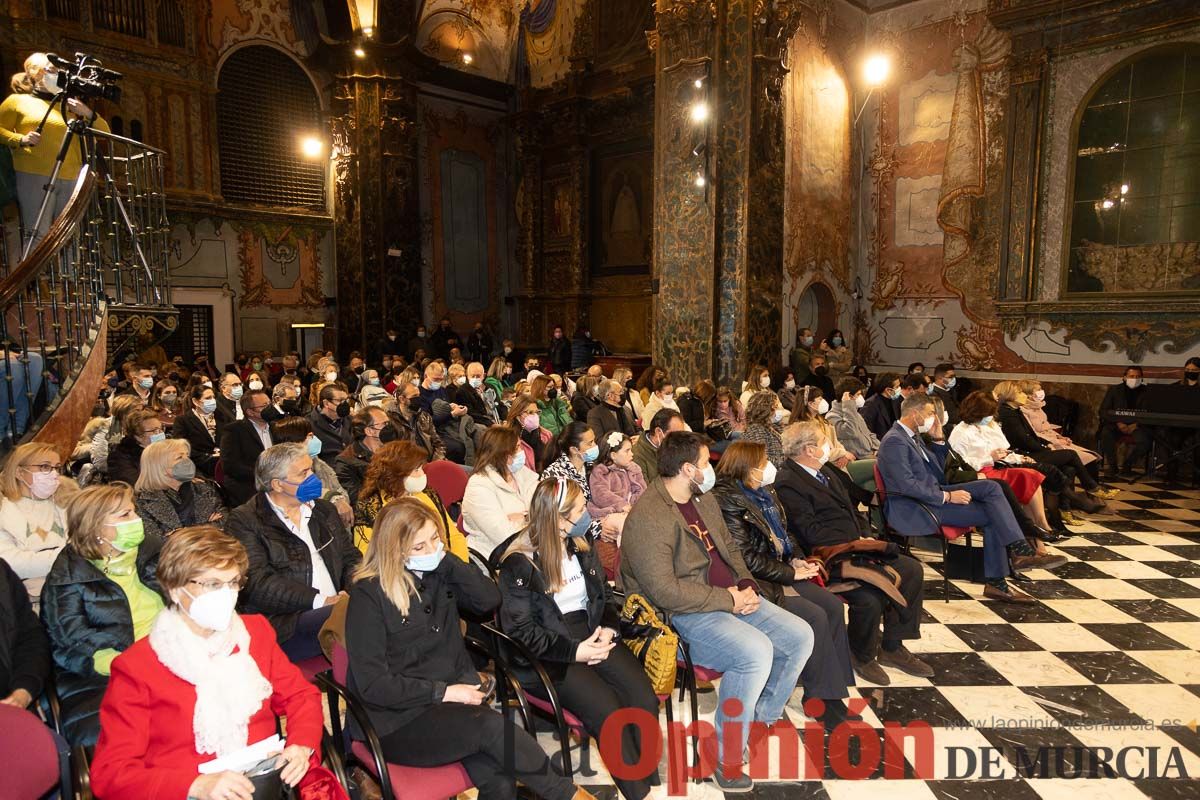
x=106, y=252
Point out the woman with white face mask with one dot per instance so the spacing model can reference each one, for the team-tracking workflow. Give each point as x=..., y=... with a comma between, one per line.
x=207, y=681
x=758, y=525
x=765, y=416
x=33, y=523
x=845, y=414
x=812, y=405
x=1034, y=410
x=34, y=152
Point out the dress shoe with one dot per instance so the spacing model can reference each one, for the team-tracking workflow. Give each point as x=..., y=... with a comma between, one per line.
x=870, y=671
x=1050, y=537
x=728, y=777
x=1103, y=493
x=1071, y=520
x=1043, y=561
x=905, y=661
x=1007, y=594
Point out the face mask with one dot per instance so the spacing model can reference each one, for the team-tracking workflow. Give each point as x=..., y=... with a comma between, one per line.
x=460, y=380
x=256, y=386
x=859, y=401
x=415, y=382
x=49, y=83
x=343, y=409
x=708, y=481
x=765, y=381
x=945, y=417
x=388, y=433
x=290, y=406
x=822, y=407
x=475, y=382
x=518, y=462
x=1192, y=377
x=314, y=446
x=1133, y=383
x=1039, y=395
x=236, y=392
x=257, y=365
x=789, y=384
x=530, y=422
x=779, y=415
x=807, y=341
x=420, y=334
x=208, y=384
x=985, y=422
x=113, y=383
x=391, y=337
x=214, y=610
x=359, y=369
x=158, y=437
x=208, y=406
x=331, y=377
x=416, y=484
x=168, y=399
x=129, y=534
x=435, y=385
x=508, y=351
x=428, y=562
x=822, y=371
x=826, y=451
x=768, y=474
x=308, y=489
x=837, y=341
x=146, y=383
x=44, y=484
x=552, y=393
x=950, y=384
x=926, y=426
x=184, y=471
x=580, y=526
x=590, y=454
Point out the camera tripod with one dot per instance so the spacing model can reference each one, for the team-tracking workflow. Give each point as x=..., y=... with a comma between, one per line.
x=81, y=129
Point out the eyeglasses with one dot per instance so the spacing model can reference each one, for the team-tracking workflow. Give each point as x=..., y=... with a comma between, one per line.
x=152, y=431
x=212, y=586
x=44, y=467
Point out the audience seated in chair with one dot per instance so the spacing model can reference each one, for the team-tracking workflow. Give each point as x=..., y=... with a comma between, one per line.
x=616, y=483
x=764, y=422
x=558, y=604
x=142, y=427
x=417, y=681
x=300, y=555
x=496, y=503
x=297, y=430
x=101, y=595
x=169, y=495
x=709, y=596
x=229, y=408
x=33, y=517
x=241, y=444
x=199, y=428
x=24, y=648
x=204, y=683
x=611, y=413
x=577, y=451
x=847, y=420
x=1035, y=411
x=645, y=451
x=879, y=412
x=1120, y=397
x=370, y=429
x=330, y=421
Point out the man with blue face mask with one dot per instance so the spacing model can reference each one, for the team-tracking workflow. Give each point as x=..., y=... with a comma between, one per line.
x=945, y=386
x=141, y=381
x=677, y=553
x=301, y=558
x=801, y=354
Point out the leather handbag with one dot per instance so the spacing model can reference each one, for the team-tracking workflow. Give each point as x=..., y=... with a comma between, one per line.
x=652, y=641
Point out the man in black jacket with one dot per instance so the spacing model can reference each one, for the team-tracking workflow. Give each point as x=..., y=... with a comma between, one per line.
x=241, y=444
x=470, y=395
x=301, y=558
x=24, y=648
x=880, y=412
x=819, y=377
x=1120, y=397
x=820, y=514
x=370, y=428
x=329, y=421
x=611, y=414
x=229, y=395
x=944, y=386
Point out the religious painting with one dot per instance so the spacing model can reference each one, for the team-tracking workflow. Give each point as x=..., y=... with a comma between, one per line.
x=622, y=210
x=559, y=209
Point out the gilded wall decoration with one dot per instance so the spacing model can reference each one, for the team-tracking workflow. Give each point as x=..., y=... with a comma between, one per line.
x=623, y=212
x=245, y=20
x=279, y=266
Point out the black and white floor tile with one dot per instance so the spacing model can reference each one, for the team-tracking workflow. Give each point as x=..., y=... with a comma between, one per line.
x=1106, y=661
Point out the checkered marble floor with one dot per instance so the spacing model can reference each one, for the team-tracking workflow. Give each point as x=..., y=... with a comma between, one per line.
x=1107, y=658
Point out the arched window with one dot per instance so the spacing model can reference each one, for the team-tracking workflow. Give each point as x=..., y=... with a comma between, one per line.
x=1135, y=215
x=266, y=106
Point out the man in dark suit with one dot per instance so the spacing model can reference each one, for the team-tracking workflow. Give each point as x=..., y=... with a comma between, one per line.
x=241, y=444
x=912, y=382
x=819, y=377
x=1122, y=396
x=611, y=414
x=820, y=513
x=229, y=395
x=330, y=421
x=914, y=476
x=880, y=412
x=945, y=385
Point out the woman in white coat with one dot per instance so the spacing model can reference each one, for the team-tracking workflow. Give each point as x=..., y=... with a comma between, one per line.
x=496, y=504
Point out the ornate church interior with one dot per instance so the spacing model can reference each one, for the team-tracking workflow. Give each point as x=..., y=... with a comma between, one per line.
x=770, y=277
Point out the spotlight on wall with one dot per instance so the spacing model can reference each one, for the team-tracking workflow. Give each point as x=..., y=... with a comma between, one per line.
x=698, y=83
x=699, y=111
x=876, y=69
x=368, y=32
x=467, y=58
x=700, y=181
x=312, y=147
x=1107, y=204
x=1124, y=188
x=360, y=53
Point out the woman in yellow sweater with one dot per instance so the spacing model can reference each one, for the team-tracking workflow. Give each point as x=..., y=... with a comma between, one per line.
x=397, y=470
x=33, y=153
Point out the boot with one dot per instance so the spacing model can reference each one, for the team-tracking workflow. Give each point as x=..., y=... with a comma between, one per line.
x=1080, y=500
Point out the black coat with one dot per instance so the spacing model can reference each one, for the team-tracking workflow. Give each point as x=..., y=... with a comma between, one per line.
x=818, y=515
x=477, y=407
x=530, y=615
x=226, y=412
x=582, y=405
x=125, y=460
x=164, y=511
x=560, y=355
x=950, y=401
x=351, y=468
x=693, y=412
x=240, y=449
x=334, y=438
x=604, y=419
x=85, y=612
x=880, y=414
x=24, y=648
x=750, y=529
x=188, y=426
x=1020, y=434
x=280, y=581
x=401, y=664
x=1117, y=398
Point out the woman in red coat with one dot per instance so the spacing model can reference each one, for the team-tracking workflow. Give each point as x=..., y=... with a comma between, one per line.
x=205, y=683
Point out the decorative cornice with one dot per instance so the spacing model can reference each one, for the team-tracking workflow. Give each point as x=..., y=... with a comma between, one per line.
x=1135, y=326
x=688, y=27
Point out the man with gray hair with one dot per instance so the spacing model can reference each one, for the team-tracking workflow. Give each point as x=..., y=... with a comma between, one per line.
x=821, y=513
x=301, y=558
x=611, y=414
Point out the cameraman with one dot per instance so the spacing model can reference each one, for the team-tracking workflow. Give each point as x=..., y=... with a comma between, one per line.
x=34, y=153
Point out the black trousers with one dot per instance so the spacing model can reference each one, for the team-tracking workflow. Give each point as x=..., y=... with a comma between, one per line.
x=1068, y=462
x=869, y=605
x=594, y=693
x=828, y=671
x=1137, y=453
x=303, y=643
x=494, y=752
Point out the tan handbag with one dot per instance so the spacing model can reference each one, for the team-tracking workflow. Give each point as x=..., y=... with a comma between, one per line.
x=652, y=641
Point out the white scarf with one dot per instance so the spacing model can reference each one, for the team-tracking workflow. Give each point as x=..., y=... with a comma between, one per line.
x=230, y=689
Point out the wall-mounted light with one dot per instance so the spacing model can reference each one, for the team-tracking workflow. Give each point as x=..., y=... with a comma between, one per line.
x=876, y=69
x=700, y=180
x=368, y=32
x=359, y=52
x=1106, y=204
x=467, y=59
x=698, y=83
x=312, y=146
x=700, y=111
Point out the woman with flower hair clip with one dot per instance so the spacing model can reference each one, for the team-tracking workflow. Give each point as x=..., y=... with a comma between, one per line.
x=616, y=483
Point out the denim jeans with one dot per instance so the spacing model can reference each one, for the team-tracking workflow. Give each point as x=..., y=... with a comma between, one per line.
x=761, y=655
x=18, y=400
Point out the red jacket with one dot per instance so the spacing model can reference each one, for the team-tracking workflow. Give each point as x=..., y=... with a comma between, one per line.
x=147, y=749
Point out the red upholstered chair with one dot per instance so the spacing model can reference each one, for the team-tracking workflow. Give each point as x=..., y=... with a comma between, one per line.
x=28, y=755
x=944, y=533
x=448, y=479
x=397, y=782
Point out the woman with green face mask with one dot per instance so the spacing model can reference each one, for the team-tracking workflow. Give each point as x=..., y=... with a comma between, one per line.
x=100, y=596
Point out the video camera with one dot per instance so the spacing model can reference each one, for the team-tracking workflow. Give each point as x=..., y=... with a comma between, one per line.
x=86, y=78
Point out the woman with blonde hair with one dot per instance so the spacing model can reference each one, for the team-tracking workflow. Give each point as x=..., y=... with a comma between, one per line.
x=101, y=595
x=33, y=524
x=397, y=469
x=559, y=605
x=417, y=681
x=169, y=495
x=1035, y=411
